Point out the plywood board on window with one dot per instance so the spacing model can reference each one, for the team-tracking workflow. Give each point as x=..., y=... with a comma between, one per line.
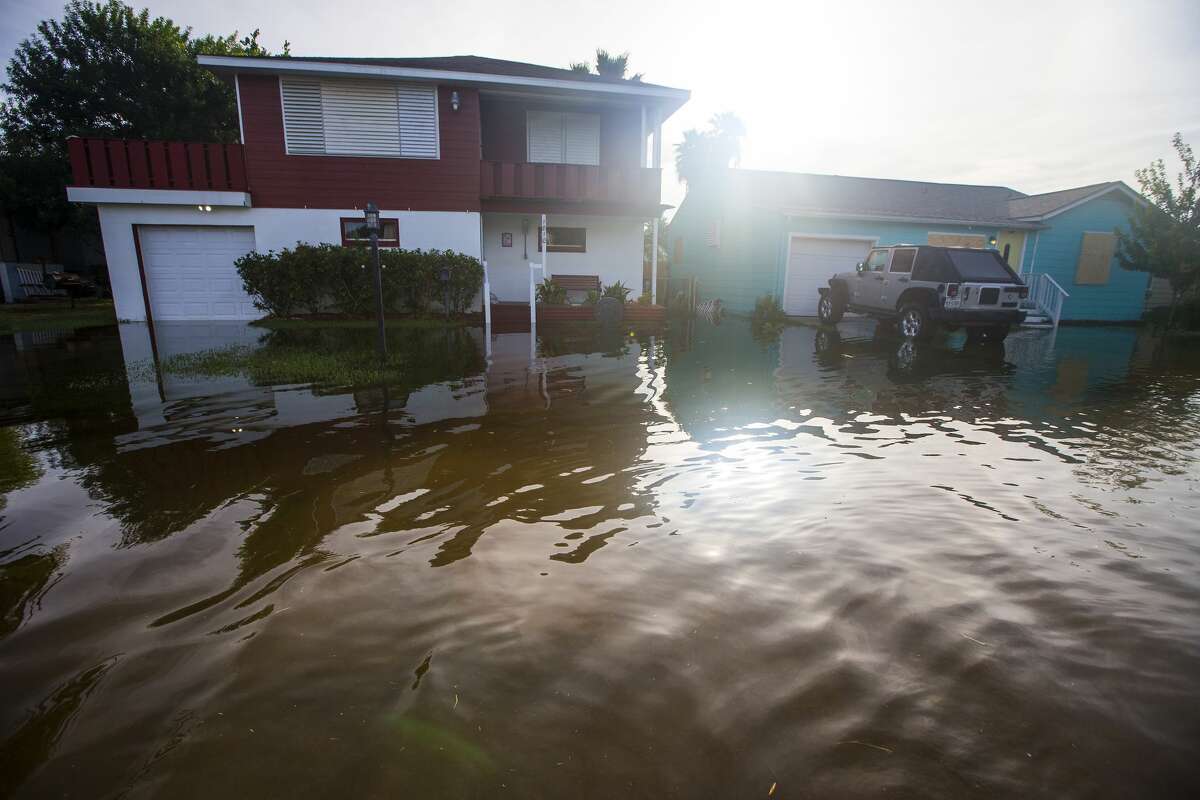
x=1095, y=258
x=957, y=239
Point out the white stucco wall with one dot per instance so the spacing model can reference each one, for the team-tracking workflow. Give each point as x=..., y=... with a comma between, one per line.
x=274, y=229
x=614, y=252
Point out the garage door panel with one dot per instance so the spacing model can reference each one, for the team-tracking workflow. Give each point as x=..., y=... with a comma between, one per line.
x=811, y=262
x=190, y=272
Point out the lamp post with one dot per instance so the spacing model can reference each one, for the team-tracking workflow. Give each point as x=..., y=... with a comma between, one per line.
x=372, y=219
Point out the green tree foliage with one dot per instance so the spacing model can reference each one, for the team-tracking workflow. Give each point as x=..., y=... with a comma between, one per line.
x=703, y=152
x=608, y=65
x=1164, y=235
x=104, y=70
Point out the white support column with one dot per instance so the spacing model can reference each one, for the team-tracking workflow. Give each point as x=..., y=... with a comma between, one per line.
x=642, y=141
x=532, y=294
x=545, y=234
x=487, y=301
x=657, y=139
x=654, y=262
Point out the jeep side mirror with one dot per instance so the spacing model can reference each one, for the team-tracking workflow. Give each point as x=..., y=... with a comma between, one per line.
x=860, y=266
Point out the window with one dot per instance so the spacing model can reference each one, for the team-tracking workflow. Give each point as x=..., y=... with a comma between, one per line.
x=980, y=265
x=902, y=260
x=559, y=137
x=1095, y=258
x=933, y=265
x=877, y=260
x=712, y=234
x=359, y=118
x=354, y=232
x=564, y=240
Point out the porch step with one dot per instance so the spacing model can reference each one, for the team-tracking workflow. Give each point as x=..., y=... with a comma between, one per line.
x=1034, y=320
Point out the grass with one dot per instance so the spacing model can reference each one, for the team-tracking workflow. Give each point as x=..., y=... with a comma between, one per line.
x=55, y=316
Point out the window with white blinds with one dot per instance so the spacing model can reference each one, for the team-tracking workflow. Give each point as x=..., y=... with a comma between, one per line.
x=560, y=137
x=359, y=118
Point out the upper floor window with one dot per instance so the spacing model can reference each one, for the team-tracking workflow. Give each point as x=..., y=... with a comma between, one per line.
x=354, y=232
x=562, y=137
x=359, y=118
x=564, y=240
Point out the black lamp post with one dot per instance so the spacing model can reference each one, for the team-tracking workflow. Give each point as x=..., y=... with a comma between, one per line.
x=372, y=219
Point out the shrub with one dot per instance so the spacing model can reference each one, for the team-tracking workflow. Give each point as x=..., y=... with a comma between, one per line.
x=645, y=299
x=593, y=297
x=312, y=278
x=767, y=310
x=617, y=290
x=550, y=293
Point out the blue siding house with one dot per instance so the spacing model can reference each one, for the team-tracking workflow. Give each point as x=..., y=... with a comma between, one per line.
x=746, y=233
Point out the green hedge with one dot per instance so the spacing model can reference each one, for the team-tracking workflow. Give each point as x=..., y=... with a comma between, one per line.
x=309, y=279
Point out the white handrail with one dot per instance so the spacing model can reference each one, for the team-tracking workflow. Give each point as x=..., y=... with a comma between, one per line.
x=487, y=298
x=1061, y=290
x=1047, y=295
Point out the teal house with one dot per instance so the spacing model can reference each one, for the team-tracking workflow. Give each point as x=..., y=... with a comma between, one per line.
x=743, y=234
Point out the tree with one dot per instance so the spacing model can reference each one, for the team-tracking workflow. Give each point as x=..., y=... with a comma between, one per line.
x=104, y=70
x=607, y=65
x=703, y=152
x=1164, y=234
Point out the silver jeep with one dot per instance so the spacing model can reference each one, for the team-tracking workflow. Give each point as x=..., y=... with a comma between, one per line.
x=920, y=287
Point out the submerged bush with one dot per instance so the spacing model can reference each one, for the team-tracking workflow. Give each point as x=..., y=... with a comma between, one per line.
x=326, y=277
x=551, y=293
x=767, y=310
x=617, y=291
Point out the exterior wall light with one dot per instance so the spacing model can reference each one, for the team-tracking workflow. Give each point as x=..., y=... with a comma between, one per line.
x=992, y=240
x=372, y=218
x=204, y=208
x=455, y=101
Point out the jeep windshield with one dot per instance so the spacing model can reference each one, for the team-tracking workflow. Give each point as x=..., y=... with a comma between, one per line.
x=981, y=266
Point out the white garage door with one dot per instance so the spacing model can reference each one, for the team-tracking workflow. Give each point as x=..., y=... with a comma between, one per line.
x=190, y=272
x=811, y=262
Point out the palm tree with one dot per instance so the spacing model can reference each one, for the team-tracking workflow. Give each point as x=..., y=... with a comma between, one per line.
x=607, y=65
x=705, y=151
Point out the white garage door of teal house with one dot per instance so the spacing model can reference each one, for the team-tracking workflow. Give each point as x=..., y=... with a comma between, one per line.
x=190, y=273
x=811, y=262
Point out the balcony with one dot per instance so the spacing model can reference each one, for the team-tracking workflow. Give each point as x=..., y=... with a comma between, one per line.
x=142, y=164
x=505, y=185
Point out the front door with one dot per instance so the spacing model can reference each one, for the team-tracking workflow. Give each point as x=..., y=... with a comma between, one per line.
x=1011, y=245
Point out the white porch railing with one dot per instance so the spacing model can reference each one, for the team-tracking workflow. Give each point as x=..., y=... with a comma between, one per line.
x=1045, y=295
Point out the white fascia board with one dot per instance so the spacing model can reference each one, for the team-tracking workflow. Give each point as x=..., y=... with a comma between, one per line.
x=331, y=68
x=157, y=197
x=1014, y=224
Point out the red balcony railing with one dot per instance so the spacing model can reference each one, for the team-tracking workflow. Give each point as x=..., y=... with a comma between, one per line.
x=570, y=182
x=142, y=164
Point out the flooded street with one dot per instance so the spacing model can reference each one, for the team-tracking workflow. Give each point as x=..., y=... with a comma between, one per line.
x=700, y=564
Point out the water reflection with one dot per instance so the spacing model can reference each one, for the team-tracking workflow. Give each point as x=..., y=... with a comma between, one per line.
x=822, y=560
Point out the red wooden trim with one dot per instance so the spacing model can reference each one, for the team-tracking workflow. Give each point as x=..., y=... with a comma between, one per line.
x=160, y=174
x=77, y=150
x=200, y=178
x=98, y=157
x=178, y=160
x=235, y=155
x=218, y=170
x=120, y=163
x=139, y=169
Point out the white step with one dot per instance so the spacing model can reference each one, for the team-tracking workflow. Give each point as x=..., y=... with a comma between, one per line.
x=1037, y=321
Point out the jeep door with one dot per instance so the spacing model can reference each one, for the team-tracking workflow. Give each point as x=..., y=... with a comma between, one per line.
x=898, y=275
x=868, y=284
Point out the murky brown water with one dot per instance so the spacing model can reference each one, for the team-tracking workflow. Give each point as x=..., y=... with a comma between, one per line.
x=699, y=565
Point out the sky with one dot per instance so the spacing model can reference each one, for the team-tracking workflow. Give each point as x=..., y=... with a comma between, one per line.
x=1036, y=96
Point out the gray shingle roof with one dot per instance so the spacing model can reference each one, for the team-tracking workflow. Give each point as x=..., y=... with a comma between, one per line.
x=884, y=198
x=1039, y=205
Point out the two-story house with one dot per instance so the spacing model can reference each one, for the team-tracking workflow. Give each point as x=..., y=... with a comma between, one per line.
x=461, y=153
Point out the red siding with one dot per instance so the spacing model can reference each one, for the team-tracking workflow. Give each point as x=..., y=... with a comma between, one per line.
x=278, y=180
x=503, y=122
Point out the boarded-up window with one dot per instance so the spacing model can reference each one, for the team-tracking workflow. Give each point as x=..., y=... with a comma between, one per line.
x=712, y=234
x=957, y=239
x=1095, y=258
x=677, y=258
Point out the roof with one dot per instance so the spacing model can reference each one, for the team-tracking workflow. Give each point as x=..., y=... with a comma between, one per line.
x=885, y=199
x=481, y=64
x=469, y=70
x=1039, y=206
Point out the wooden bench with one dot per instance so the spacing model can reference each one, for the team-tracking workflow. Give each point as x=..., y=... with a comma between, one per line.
x=577, y=283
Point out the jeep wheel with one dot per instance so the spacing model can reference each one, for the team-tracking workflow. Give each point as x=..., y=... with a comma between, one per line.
x=829, y=311
x=914, y=321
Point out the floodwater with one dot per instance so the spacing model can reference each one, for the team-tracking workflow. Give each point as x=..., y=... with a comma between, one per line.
x=706, y=564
